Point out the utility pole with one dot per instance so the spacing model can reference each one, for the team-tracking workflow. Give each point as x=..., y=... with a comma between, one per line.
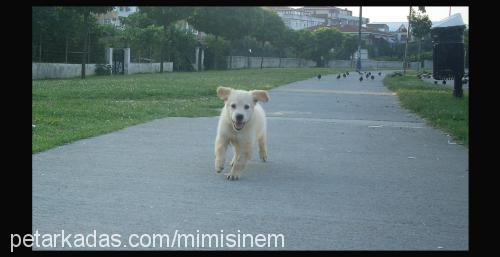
x=449, y=13
x=358, y=63
x=406, y=46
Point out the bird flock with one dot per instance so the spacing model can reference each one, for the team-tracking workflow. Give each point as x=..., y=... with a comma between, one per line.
x=368, y=75
x=426, y=75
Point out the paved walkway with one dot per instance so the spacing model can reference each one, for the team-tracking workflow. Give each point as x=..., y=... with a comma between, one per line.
x=348, y=169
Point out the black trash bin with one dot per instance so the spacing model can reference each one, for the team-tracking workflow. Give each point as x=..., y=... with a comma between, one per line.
x=448, y=51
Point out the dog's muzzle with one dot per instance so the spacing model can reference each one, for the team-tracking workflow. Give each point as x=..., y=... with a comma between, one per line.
x=238, y=125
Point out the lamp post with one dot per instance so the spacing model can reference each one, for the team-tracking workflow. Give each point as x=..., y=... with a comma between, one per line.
x=249, y=53
x=358, y=64
x=331, y=56
x=406, y=45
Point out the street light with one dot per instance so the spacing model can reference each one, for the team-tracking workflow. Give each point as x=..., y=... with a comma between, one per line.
x=249, y=53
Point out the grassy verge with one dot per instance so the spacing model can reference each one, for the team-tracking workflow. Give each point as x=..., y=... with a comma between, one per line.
x=65, y=110
x=435, y=104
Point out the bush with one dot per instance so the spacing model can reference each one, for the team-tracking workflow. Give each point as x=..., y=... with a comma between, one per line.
x=102, y=69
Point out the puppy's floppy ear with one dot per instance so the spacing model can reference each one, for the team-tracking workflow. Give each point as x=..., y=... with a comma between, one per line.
x=223, y=92
x=260, y=95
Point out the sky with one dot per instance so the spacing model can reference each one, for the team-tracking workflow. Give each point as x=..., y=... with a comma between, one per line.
x=400, y=13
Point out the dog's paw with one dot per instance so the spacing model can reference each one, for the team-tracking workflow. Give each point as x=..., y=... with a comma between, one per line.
x=219, y=166
x=231, y=176
x=263, y=157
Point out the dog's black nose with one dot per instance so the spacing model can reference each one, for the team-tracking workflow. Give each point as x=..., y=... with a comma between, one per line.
x=239, y=117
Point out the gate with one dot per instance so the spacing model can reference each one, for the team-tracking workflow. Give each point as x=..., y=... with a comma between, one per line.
x=119, y=61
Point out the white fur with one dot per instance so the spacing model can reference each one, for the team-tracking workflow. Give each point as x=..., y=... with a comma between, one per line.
x=242, y=140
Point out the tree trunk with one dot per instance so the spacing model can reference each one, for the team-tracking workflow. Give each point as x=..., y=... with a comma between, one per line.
x=66, y=51
x=84, y=52
x=215, y=52
x=262, y=57
x=40, y=48
x=88, y=46
x=161, y=58
x=419, y=49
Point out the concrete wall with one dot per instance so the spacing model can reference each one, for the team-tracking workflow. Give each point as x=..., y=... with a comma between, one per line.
x=64, y=70
x=241, y=62
x=148, y=67
x=370, y=64
x=428, y=64
x=59, y=70
x=415, y=65
x=341, y=63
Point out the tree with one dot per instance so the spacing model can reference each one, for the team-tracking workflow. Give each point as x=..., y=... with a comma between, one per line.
x=86, y=11
x=142, y=34
x=326, y=40
x=181, y=48
x=231, y=23
x=421, y=27
x=42, y=18
x=269, y=28
x=347, y=48
x=62, y=26
x=166, y=16
x=305, y=45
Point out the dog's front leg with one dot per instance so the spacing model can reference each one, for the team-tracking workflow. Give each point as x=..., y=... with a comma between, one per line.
x=242, y=155
x=220, y=153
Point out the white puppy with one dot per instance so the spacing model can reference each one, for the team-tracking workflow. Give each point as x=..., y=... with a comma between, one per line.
x=242, y=122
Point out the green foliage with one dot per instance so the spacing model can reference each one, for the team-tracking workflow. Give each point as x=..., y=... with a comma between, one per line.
x=228, y=22
x=59, y=30
x=142, y=35
x=165, y=16
x=348, y=47
x=327, y=39
x=420, y=24
x=216, y=51
x=270, y=28
x=180, y=49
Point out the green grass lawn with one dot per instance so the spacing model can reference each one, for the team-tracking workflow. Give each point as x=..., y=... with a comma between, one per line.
x=65, y=110
x=435, y=104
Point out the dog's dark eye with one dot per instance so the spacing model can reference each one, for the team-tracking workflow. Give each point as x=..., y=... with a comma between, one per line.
x=247, y=106
x=233, y=106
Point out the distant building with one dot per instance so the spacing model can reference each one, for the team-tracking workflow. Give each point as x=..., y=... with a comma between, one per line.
x=334, y=15
x=296, y=18
x=113, y=17
x=311, y=16
x=398, y=29
x=364, y=54
x=368, y=34
x=379, y=27
x=125, y=11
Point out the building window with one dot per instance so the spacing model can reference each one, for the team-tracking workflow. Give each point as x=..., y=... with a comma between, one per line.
x=121, y=9
x=127, y=9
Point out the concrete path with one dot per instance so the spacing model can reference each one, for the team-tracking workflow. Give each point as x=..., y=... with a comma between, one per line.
x=348, y=169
